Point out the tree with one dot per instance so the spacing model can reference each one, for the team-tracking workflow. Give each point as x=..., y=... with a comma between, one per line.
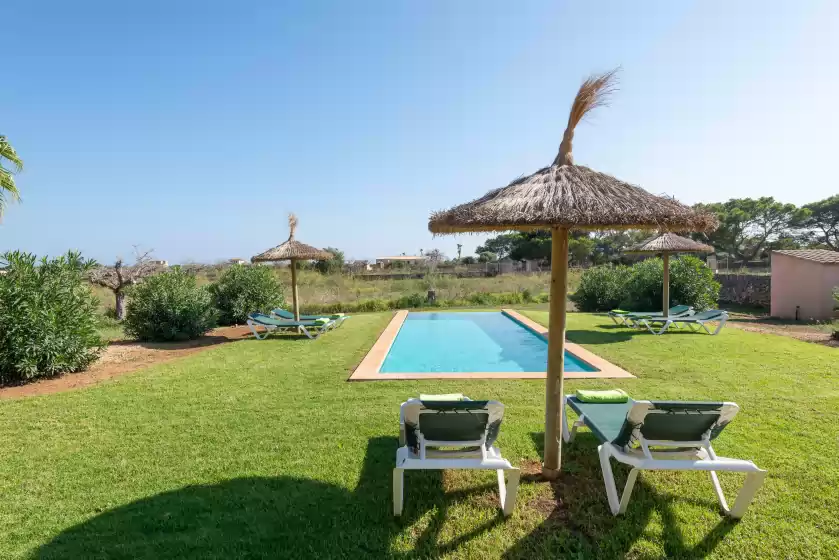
x=435, y=256
x=119, y=278
x=531, y=245
x=822, y=222
x=610, y=246
x=459, y=248
x=581, y=249
x=747, y=225
x=487, y=256
x=468, y=260
x=500, y=245
x=8, y=189
x=333, y=265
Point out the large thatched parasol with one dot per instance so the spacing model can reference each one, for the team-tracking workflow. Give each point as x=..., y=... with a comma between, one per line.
x=292, y=250
x=667, y=243
x=558, y=198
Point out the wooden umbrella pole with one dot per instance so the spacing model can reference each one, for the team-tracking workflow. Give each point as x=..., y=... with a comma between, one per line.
x=556, y=353
x=665, y=307
x=294, y=289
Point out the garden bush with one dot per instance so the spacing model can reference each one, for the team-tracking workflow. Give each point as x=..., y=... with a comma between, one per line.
x=640, y=287
x=692, y=283
x=243, y=289
x=170, y=306
x=48, y=317
x=601, y=288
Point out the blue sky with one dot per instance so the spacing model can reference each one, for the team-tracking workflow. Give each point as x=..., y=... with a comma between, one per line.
x=194, y=127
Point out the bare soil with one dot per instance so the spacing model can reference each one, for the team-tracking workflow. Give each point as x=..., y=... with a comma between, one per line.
x=125, y=356
x=800, y=331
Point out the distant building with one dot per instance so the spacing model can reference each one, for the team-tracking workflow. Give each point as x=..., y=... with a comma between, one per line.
x=237, y=261
x=383, y=262
x=802, y=285
x=159, y=263
x=357, y=266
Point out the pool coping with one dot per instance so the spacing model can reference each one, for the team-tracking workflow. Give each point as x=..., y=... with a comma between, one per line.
x=368, y=369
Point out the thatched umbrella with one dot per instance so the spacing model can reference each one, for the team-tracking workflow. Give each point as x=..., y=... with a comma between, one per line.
x=292, y=250
x=667, y=243
x=558, y=198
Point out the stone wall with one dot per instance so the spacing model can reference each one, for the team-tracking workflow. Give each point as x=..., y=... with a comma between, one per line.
x=745, y=289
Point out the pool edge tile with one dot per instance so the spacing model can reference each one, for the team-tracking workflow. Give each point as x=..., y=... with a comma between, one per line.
x=368, y=369
x=607, y=369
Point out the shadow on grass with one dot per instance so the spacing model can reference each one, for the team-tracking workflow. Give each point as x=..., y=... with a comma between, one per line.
x=579, y=520
x=599, y=337
x=277, y=517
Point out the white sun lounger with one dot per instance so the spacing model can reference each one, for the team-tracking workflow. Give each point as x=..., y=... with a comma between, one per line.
x=629, y=318
x=472, y=426
x=312, y=329
x=693, y=322
x=628, y=432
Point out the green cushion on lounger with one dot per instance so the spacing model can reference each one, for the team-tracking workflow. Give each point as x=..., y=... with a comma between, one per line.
x=336, y=315
x=608, y=396
x=321, y=321
x=619, y=312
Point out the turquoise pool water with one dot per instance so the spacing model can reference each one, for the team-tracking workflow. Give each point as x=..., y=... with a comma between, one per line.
x=463, y=342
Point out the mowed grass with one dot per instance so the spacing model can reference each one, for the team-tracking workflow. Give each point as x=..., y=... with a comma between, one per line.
x=261, y=449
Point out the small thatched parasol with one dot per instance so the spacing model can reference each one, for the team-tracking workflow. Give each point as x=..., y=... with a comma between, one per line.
x=292, y=250
x=558, y=198
x=667, y=243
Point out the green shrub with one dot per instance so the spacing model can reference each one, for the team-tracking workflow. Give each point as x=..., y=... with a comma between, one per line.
x=641, y=288
x=243, y=289
x=331, y=266
x=692, y=283
x=48, y=317
x=169, y=306
x=644, y=287
x=411, y=301
x=601, y=288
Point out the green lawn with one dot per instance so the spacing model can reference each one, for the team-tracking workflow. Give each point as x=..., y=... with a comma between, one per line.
x=261, y=449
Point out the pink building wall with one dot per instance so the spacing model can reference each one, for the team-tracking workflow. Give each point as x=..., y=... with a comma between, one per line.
x=803, y=283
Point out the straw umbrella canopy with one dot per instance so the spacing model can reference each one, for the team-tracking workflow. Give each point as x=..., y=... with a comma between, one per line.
x=558, y=198
x=292, y=250
x=666, y=244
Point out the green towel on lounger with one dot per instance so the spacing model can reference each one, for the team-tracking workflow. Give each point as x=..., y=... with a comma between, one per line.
x=322, y=321
x=602, y=397
x=619, y=312
x=446, y=397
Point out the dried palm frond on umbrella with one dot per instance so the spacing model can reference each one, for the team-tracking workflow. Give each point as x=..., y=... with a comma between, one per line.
x=666, y=244
x=292, y=250
x=558, y=198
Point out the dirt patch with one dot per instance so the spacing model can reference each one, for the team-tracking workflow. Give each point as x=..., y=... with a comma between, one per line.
x=122, y=357
x=798, y=331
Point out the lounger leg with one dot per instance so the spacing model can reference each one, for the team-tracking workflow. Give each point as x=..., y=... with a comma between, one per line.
x=718, y=489
x=720, y=325
x=627, y=490
x=508, y=492
x=663, y=328
x=608, y=478
x=256, y=334
x=398, y=493
x=305, y=331
x=747, y=494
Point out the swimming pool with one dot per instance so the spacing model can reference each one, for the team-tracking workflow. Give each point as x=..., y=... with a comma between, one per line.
x=469, y=341
x=482, y=345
